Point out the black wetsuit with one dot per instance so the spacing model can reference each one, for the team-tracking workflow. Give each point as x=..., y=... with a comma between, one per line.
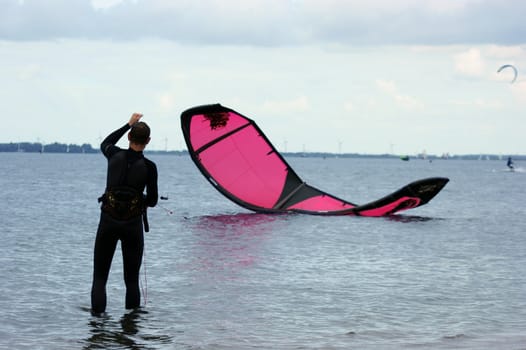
x=130, y=168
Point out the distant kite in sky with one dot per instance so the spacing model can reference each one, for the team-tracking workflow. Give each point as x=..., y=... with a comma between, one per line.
x=515, y=72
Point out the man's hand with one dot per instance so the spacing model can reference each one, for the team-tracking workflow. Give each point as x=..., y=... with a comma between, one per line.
x=134, y=118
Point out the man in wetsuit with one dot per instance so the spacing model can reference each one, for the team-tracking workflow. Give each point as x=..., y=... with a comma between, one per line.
x=123, y=211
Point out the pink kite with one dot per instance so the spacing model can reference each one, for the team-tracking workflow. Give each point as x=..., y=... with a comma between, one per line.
x=240, y=162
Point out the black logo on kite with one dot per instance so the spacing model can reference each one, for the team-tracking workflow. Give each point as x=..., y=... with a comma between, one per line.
x=217, y=120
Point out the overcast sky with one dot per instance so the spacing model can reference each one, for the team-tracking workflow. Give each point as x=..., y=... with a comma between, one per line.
x=376, y=76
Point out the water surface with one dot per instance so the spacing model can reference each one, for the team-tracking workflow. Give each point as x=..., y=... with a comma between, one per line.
x=448, y=275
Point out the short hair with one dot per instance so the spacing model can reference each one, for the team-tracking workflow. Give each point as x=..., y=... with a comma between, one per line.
x=140, y=133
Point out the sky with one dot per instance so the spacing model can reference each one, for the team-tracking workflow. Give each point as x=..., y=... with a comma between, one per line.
x=374, y=77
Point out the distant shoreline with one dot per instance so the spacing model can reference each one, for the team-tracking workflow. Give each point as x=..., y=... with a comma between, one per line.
x=36, y=147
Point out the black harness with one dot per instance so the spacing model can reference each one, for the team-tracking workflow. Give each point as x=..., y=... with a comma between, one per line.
x=122, y=203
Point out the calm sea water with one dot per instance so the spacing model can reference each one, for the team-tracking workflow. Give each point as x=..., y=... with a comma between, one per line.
x=448, y=275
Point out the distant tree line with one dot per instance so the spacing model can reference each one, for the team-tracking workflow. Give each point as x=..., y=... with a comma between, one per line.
x=37, y=147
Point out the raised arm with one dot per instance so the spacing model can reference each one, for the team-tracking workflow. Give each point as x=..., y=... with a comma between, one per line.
x=107, y=145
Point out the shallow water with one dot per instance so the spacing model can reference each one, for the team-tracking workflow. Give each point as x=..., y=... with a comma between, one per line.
x=446, y=275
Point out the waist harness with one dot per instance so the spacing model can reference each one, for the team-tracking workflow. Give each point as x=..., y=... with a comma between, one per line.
x=123, y=203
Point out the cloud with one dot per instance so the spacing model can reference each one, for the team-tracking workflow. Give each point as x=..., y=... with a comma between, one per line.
x=39, y=20
x=470, y=63
x=479, y=103
x=482, y=62
x=298, y=104
x=167, y=102
x=348, y=106
x=519, y=91
x=404, y=101
x=269, y=22
x=29, y=71
x=506, y=52
x=104, y=4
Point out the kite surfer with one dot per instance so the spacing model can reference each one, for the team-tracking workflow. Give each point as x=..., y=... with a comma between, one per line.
x=123, y=211
x=510, y=163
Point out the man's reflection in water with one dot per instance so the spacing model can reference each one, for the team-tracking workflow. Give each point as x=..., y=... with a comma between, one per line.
x=128, y=333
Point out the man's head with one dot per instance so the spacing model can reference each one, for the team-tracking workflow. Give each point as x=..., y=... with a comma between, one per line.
x=139, y=134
